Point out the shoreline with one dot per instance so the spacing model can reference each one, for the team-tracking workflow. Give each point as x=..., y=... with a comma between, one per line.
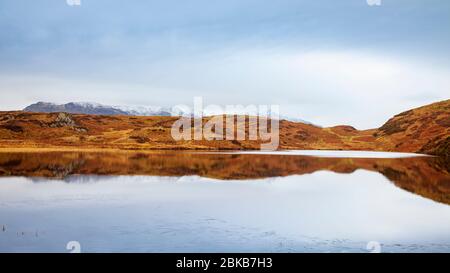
x=292, y=152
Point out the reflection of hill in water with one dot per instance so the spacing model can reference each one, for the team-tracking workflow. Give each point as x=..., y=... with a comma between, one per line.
x=426, y=176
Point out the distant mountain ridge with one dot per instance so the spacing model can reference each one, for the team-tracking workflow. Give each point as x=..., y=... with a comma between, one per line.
x=90, y=108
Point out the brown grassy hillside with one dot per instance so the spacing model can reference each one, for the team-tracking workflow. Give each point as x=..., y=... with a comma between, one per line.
x=424, y=130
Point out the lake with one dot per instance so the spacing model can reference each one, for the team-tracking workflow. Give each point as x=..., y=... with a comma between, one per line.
x=290, y=201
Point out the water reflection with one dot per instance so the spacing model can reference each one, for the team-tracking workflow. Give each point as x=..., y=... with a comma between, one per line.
x=425, y=176
x=195, y=202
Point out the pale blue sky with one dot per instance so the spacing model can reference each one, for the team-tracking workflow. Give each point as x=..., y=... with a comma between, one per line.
x=327, y=61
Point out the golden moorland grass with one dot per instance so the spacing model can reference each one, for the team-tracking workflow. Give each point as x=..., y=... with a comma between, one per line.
x=421, y=130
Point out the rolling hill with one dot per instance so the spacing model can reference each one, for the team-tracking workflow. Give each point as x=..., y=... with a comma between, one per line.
x=421, y=130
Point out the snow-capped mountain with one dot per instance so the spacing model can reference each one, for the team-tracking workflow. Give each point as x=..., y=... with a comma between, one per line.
x=145, y=110
x=96, y=109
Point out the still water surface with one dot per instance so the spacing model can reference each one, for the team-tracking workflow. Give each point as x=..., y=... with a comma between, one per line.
x=223, y=202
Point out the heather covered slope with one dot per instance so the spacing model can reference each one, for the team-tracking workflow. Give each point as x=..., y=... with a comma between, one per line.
x=423, y=130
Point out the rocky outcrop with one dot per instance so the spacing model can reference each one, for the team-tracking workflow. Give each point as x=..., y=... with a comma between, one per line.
x=63, y=120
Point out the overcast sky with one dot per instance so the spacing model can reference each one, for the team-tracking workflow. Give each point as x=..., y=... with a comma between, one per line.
x=326, y=61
